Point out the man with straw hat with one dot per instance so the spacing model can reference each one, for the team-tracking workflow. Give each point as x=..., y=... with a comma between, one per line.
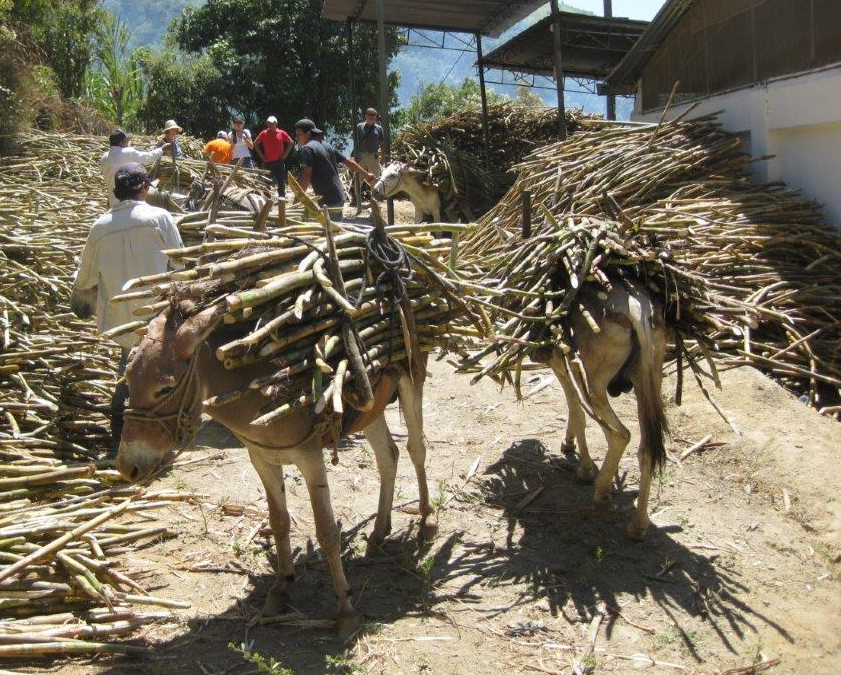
x=125, y=243
x=171, y=130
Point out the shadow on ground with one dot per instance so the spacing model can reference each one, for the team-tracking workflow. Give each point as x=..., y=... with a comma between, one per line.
x=557, y=548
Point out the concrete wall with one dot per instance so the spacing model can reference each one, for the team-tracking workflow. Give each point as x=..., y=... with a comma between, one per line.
x=798, y=120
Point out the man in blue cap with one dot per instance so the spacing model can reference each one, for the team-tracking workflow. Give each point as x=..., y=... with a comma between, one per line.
x=125, y=243
x=320, y=161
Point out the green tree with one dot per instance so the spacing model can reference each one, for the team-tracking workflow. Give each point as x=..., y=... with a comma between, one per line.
x=188, y=88
x=115, y=86
x=279, y=57
x=528, y=97
x=66, y=36
x=437, y=101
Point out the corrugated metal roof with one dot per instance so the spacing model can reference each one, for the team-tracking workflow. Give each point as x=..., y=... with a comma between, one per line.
x=591, y=46
x=488, y=17
x=630, y=68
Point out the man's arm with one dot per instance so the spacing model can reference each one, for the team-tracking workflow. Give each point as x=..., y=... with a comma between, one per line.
x=353, y=166
x=305, y=177
x=287, y=147
x=382, y=146
x=256, y=147
x=246, y=136
x=85, y=285
x=143, y=157
x=171, y=237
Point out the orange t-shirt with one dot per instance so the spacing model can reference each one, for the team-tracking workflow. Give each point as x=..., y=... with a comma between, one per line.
x=220, y=151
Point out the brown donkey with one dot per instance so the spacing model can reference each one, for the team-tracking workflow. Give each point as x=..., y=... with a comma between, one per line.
x=174, y=369
x=626, y=352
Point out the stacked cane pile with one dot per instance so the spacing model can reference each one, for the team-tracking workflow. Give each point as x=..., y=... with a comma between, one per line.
x=452, y=152
x=66, y=522
x=750, y=270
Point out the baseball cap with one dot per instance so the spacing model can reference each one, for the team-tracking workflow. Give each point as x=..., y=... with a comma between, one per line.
x=221, y=134
x=131, y=176
x=271, y=120
x=308, y=125
x=118, y=136
x=238, y=118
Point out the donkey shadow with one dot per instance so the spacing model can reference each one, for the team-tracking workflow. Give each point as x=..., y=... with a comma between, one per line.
x=556, y=549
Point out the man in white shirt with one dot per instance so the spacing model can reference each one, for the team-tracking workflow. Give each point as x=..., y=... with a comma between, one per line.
x=125, y=243
x=121, y=153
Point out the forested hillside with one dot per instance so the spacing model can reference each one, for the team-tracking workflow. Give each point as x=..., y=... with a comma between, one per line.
x=148, y=20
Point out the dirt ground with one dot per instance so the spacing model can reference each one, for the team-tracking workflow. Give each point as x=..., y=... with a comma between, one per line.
x=737, y=569
x=731, y=573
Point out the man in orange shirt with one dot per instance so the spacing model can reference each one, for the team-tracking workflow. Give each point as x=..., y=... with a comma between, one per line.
x=219, y=150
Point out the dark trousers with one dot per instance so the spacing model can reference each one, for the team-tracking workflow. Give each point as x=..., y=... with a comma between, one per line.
x=278, y=170
x=119, y=398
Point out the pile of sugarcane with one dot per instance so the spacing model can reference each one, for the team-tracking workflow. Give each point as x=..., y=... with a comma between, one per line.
x=65, y=521
x=326, y=309
x=452, y=152
x=751, y=270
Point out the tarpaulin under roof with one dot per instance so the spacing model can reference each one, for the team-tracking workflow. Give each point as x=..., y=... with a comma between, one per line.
x=488, y=17
x=592, y=46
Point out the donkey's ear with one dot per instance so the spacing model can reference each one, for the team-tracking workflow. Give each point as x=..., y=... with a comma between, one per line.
x=195, y=330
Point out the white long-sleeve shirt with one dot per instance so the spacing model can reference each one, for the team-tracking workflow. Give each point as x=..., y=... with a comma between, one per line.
x=125, y=243
x=118, y=156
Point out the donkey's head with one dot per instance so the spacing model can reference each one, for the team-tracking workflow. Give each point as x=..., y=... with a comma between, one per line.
x=164, y=391
x=392, y=180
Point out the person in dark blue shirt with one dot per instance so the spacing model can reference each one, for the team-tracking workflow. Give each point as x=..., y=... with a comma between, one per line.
x=320, y=162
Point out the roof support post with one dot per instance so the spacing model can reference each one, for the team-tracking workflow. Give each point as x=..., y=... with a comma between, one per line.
x=611, y=98
x=559, y=70
x=384, y=112
x=484, y=95
x=357, y=182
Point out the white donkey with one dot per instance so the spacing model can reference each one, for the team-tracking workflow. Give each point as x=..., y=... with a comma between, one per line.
x=399, y=177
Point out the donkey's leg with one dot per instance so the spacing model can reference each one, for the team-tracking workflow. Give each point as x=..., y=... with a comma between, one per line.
x=640, y=522
x=272, y=477
x=576, y=427
x=617, y=436
x=310, y=462
x=411, y=399
x=386, y=453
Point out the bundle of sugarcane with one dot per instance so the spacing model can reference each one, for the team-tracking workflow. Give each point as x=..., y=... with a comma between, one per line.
x=326, y=308
x=63, y=590
x=452, y=153
x=772, y=263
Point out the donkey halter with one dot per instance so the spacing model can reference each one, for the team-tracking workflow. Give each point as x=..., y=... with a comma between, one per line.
x=180, y=426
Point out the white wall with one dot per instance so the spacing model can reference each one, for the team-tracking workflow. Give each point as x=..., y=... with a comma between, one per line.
x=796, y=119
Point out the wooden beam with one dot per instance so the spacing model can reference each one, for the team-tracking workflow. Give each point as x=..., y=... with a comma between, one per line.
x=559, y=68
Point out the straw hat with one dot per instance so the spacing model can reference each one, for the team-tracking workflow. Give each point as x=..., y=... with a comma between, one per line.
x=170, y=124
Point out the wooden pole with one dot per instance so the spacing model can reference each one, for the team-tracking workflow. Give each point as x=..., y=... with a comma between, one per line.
x=384, y=113
x=357, y=182
x=611, y=98
x=559, y=69
x=484, y=95
x=526, y=225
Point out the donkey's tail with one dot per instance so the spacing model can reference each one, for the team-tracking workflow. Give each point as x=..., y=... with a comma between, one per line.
x=649, y=367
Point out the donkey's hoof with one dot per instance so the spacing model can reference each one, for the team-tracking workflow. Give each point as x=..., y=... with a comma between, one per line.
x=635, y=532
x=568, y=448
x=586, y=473
x=348, y=624
x=429, y=528
x=374, y=546
x=277, y=602
x=603, y=503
